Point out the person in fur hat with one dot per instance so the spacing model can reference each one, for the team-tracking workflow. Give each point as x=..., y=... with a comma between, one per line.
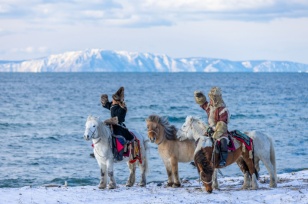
x=117, y=109
x=218, y=119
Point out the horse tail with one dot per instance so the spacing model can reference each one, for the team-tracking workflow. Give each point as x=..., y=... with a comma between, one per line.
x=253, y=160
x=273, y=156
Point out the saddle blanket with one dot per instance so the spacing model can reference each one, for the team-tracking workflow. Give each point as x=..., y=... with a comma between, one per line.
x=245, y=139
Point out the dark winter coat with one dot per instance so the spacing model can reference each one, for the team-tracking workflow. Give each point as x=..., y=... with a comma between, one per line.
x=117, y=110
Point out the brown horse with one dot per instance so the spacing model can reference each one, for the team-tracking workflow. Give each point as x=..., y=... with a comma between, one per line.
x=170, y=149
x=206, y=162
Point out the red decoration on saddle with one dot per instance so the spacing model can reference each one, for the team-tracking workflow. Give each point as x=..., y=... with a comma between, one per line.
x=119, y=146
x=139, y=153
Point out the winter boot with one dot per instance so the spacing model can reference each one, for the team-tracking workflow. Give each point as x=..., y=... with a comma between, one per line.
x=223, y=152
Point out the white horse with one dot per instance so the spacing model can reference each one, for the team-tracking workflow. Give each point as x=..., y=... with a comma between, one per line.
x=263, y=146
x=100, y=134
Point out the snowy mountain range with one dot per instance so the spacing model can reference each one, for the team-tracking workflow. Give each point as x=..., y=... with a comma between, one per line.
x=98, y=60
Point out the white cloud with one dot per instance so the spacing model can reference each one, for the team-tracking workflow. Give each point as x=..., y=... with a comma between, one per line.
x=166, y=10
x=232, y=29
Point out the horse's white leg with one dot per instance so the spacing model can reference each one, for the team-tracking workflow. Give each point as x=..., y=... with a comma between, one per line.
x=246, y=184
x=175, y=172
x=103, y=181
x=254, y=183
x=132, y=174
x=270, y=168
x=143, y=169
x=112, y=183
x=244, y=168
x=214, y=180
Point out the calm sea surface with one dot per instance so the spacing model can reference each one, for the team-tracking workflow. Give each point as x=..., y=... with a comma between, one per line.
x=42, y=119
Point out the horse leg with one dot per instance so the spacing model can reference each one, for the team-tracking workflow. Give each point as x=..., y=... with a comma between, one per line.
x=244, y=168
x=175, y=172
x=169, y=174
x=132, y=175
x=252, y=170
x=143, y=169
x=270, y=168
x=103, y=181
x=112, y=183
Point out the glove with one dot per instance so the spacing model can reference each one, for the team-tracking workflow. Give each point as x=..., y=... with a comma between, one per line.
x=199, y=97
x=104, y=99
x=210, y=131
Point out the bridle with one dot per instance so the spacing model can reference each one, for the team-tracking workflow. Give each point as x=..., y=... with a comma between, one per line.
x=205, y=181
x=156, y=133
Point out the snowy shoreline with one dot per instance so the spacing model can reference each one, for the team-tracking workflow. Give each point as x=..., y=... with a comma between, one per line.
x=292, y=188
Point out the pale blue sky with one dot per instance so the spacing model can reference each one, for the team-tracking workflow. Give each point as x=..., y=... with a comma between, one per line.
x=228, y=29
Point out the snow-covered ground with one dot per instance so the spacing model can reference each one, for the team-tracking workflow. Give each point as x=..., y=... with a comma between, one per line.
x=292, y=188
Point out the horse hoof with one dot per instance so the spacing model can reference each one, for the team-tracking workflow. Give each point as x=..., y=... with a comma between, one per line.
x=129, y=185
x=101, y=187
x=111, y=186
x=176, y=185
x=142, y=184
x=169, y=184
x=273, y=185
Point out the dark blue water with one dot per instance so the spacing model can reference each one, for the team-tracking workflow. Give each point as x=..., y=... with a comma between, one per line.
x=42, y=119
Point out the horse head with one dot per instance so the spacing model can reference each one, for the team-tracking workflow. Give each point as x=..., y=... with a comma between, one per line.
x=153, y=131
x=192, y=128
x=160, y=129
x=91, y=127
x=185, y=132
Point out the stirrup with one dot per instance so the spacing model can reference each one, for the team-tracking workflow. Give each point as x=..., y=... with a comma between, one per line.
x=222, y=164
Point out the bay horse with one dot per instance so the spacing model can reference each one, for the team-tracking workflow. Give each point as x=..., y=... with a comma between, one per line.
x=101, y=136
x=263, y=150
x=170, y=149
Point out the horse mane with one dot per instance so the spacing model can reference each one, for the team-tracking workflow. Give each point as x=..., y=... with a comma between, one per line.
x=202, y=159
x=169, y=130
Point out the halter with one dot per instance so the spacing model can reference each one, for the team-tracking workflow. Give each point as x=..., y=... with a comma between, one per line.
x=93, y=133
x=99, y=139
x=204, y=181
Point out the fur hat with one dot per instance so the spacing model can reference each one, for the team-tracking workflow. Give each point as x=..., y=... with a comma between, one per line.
x=216, y=97
x=119, y=95
x=199, y=97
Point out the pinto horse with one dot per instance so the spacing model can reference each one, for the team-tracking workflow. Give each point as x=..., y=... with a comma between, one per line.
x=194, y=128
x=101, y=137
x=170, y=149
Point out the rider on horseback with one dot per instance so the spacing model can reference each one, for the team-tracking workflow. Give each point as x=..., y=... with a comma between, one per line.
x=117, y=109
x=218, y=118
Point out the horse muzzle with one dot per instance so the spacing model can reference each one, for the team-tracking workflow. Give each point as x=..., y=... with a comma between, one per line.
x=152, y=139
x=86, y=137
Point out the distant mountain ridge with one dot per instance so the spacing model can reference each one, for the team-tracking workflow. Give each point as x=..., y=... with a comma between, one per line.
x=99, y=60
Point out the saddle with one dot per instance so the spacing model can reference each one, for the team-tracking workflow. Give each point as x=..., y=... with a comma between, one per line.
x=243, y=138
x=124, y=148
